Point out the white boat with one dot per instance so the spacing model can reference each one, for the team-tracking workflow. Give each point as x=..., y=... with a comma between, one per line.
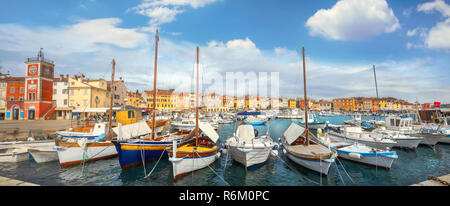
x=98, y=130
x=226, y=121
x=314, y=156
x=14, y=154
x=248, y=150
x=356, y=135
x=41, y=155
x=405, y=126
x=355, y=120
x=73, y=151
x=313, y=123
x=360, y=153
x=185, y=124
x=293, y=114
x=403, y=141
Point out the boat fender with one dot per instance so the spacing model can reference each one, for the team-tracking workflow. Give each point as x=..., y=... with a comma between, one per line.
x=284, y=151
x=274, y=153
x=355, y=155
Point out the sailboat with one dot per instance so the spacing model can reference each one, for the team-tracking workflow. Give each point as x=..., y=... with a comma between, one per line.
x=72, y=151
x=199, y=154
x=139, y=148
x=300, y=145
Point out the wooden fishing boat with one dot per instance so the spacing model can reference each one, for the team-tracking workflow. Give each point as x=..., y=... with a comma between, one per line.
x=300, y=145
x=199, y=154
x=248, y=150
x=14, y=154
x=41, y=155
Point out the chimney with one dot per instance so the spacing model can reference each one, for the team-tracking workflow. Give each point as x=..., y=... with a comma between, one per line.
x=61, y=76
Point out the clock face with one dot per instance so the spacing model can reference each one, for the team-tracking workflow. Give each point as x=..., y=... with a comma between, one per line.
x=33, y=69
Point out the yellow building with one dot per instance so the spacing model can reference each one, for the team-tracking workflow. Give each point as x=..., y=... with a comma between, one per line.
x=135, y=99
x=84, y=93
x=292, y=103
x=165, y=99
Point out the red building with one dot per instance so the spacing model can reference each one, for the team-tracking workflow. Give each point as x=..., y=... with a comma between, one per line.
x=15, y=91
x=38, y=88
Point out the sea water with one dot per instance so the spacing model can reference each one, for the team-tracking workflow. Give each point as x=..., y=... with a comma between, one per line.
x=411, y=167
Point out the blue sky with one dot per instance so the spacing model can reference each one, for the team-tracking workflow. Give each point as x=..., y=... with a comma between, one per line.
x=408, y=41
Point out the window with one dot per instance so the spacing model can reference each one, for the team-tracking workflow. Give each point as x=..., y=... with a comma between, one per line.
x=72, y=92
x=72, y=103
x=54, y=91
x=130, y=114
x=12, y=90
x=85, y=102
x=65, y=102
x=65, y=83
x=11, y=99
x=21, y=99
x=64, y=91
x=73, y=83
x=21, y=90
x=85, y=91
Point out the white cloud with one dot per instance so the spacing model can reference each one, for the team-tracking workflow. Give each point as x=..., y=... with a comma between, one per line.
x=353, y=20
x=165, y=11
x=438, y=36
x=75, y=50
x=438, y=5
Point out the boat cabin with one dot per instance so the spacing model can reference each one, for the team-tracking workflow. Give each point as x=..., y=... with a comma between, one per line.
x=128, y=115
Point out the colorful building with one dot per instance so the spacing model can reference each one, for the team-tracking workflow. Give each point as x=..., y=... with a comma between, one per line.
x=15, y=91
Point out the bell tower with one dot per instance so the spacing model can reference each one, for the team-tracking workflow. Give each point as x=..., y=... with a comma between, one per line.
x=38, y=86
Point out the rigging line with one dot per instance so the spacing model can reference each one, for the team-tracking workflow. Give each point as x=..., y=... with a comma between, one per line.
x=297, y=171
x=213, y=170
x=345, y=171
x=162, y=153
x=337, y=168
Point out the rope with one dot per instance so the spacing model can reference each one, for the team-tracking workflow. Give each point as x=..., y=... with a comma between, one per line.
x=339, y=173
x=297, y=171
x=214, y=171
x=345, y=171
x=438, y=180
x=162, y=153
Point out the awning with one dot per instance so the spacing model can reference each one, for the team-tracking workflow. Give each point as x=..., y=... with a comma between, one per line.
x=93, y=110
x=293, y=132
x=246, y=133
x=209, y=131
x=132, y=130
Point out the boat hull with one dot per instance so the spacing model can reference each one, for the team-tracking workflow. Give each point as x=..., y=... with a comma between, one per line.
x=430, y=139
x=378, y=145
x=410, y=144
x=181, y=166
x=320, y=166
x=376, y=160
x=248, y=156
x=41, y=156
x=445, y=139
x=13, y=155
x=69, y=154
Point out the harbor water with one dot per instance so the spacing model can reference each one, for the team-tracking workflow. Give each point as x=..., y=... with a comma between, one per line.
x=411, y=167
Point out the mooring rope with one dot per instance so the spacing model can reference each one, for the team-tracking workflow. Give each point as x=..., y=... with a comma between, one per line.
x=162, y=153
x=293, y=169
x=213, y=170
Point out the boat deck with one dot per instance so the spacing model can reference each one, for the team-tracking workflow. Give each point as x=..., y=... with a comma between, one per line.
x=311, y=150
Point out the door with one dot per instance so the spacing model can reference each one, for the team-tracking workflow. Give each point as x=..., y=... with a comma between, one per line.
x=31, y=114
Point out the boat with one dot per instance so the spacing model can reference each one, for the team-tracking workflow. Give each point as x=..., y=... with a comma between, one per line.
x=248, y=150
x=291, y=114
x=300, y=145
x=140, y=142
x=355, y=120
x=98, y=130
x=199, y=154
x=226, y=121
x=41, y=155
x=313, y=123
x=359, y=153
x=356, y=135
x=403, y=141
x=73, y=150
x=184, y=125
x=404, y=125
x=13, y=154
x=253, y=118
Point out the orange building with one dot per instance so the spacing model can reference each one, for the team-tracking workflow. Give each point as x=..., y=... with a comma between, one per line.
x=344, y=104
x=15, y=98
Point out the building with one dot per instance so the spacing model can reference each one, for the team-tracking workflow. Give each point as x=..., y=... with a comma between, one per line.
x=3, y=99
x=324, y=105
x=85, y=93
x=343, y=104
x=165, y=99
x=61, y=98
x=15, y=91
x=119, y=91
x=38, y=102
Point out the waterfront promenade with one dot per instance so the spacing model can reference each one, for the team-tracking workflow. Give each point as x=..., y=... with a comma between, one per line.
x=19, y=129
x=4, y=181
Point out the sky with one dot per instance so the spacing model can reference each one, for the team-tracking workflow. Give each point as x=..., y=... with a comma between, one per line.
x=407, y=41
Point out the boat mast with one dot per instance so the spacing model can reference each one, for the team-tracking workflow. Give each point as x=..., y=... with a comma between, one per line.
x=196, y=104
x=306, y=102
x=111, y=101
x=154, y=85
x=376, y=86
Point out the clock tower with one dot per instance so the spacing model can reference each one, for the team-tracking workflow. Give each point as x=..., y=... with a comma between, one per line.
x=38, y=87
